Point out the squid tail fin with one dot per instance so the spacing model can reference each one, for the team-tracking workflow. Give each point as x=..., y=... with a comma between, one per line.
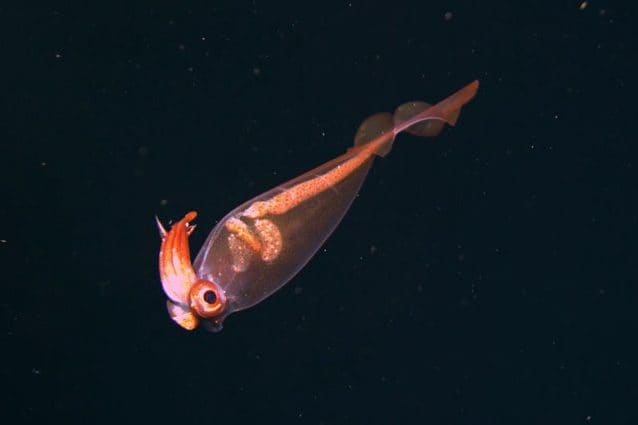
x=416, y=118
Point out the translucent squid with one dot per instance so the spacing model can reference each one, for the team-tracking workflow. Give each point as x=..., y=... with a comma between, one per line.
x=260, y=245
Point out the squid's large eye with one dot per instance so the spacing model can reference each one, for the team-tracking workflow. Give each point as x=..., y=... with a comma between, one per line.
x=210, y=297
x=207, y=299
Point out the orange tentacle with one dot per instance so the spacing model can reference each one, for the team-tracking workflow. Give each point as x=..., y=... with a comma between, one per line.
x=176, y=271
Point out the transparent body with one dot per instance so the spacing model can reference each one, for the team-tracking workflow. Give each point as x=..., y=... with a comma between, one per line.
x=260, y=245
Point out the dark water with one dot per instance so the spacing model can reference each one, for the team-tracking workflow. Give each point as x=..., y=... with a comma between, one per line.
x=484, y=277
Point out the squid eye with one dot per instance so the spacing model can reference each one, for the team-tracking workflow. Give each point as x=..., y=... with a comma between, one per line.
x=210, y=297
x=207, y=299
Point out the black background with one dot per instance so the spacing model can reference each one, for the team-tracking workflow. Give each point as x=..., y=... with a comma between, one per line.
x=484, y=277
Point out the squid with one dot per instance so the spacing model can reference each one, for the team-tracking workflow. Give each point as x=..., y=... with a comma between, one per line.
x=259, y=246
